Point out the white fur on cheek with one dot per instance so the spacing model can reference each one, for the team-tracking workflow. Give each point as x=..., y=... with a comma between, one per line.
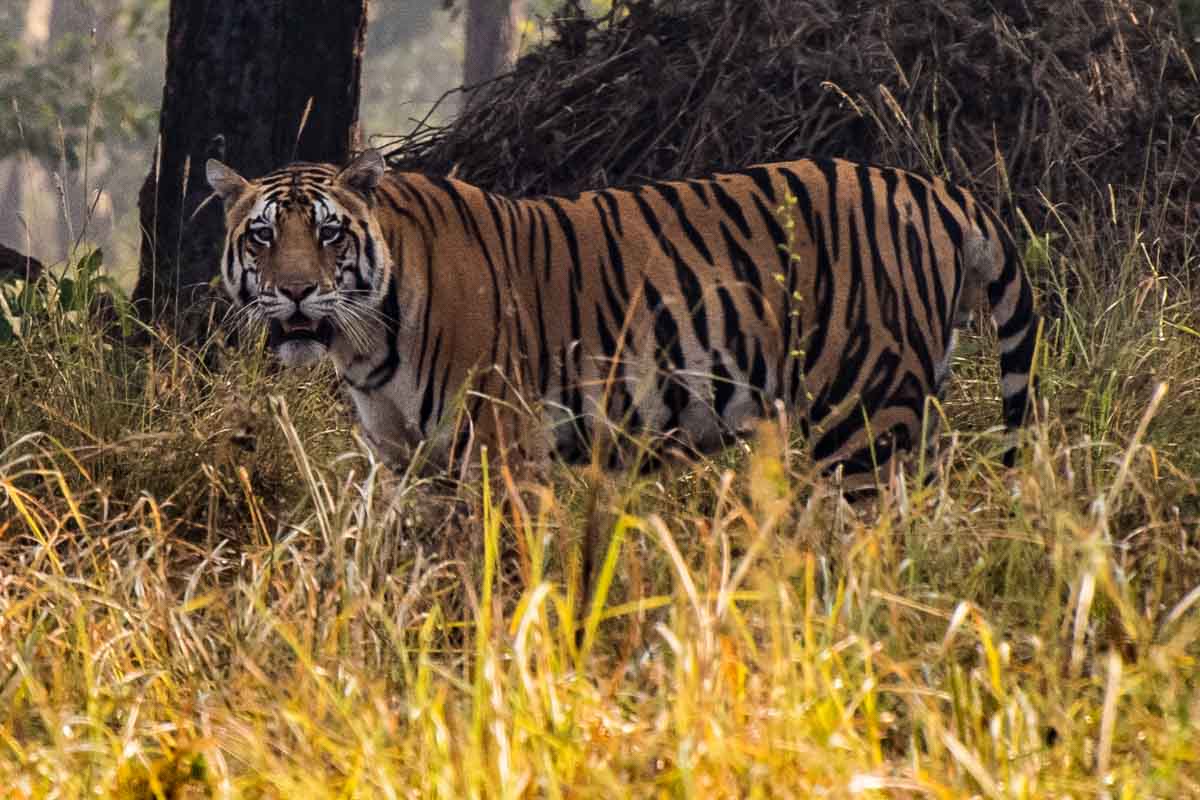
x=323, y=210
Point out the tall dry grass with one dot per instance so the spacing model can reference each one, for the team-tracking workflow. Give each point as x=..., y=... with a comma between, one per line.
x=208, y=590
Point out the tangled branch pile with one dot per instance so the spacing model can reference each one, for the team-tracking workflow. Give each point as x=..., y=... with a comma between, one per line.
x=1029, y=101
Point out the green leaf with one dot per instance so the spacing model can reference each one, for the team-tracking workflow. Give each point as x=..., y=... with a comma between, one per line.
x=67, y=294
x=7, y=334
x=26, y=301
x=89, y=265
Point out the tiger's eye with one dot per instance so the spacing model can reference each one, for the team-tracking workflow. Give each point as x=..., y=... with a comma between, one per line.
x=329, y=234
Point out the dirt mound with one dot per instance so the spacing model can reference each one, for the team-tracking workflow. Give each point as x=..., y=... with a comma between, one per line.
x=1036, y=102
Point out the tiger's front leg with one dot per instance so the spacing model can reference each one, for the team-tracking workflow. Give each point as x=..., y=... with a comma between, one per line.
x=391, y=440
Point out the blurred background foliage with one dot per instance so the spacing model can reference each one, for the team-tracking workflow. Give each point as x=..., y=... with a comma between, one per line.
x=80, y=84
x=80, y=88
x=54, y=90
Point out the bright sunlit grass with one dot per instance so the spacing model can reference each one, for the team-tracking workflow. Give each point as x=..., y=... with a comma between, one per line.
x=207, y=590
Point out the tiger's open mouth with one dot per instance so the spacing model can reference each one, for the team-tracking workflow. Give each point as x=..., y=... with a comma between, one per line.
x=299, y=328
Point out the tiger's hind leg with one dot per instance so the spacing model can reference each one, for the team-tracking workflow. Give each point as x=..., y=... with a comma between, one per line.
x=996, y=266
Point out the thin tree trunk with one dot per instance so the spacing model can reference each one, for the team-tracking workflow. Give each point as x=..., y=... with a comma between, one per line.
x=492, y=38
x=256, y=85
x=37, y=23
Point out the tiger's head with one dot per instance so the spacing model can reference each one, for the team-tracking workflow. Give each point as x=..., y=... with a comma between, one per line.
x=305, y=254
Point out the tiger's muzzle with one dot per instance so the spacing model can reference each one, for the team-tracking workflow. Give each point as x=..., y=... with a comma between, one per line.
x=299, y=329
x=297, y=333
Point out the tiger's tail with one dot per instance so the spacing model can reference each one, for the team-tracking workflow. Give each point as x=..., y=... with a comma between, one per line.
x=994, y=260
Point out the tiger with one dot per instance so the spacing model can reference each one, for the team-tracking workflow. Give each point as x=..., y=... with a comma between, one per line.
x=687, y=310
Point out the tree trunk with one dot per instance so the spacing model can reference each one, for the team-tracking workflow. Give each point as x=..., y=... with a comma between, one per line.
x=492, y=38
x=256, y=85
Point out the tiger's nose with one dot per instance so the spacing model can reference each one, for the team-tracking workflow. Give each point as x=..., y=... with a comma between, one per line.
x=297, y=291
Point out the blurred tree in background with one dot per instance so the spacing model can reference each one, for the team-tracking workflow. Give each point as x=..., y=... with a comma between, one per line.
x=414, y=57
x=77, y=86
x=493, y=36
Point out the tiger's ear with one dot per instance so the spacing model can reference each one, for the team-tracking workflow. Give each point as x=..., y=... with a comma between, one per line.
x=364, y=173
x=225, y=181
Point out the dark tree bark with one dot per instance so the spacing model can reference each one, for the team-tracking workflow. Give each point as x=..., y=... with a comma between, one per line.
x=240, y=76
x=491, y=38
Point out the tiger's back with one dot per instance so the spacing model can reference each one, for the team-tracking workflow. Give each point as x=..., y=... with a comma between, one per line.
x=685, y=308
